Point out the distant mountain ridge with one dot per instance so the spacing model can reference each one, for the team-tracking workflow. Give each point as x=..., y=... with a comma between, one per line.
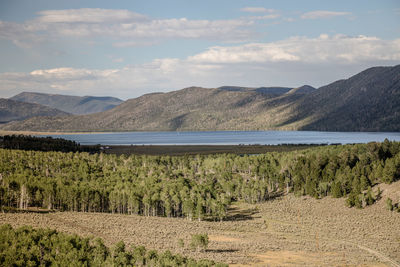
x=71, y=104
x=368, y=101
x=305, y=89
x=11, y=110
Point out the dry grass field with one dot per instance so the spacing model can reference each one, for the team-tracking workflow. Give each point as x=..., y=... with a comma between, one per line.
x=289, y=231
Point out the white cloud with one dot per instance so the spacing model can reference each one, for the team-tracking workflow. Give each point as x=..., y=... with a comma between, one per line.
x=248, y=53
x=257, y=10
x=290, y=62
x=338, y=48
x=268, y=13
x=323, y=14
x=20, y=34
x=269, y=16
x=89, y=15
x=124, y=27
x=189, y=29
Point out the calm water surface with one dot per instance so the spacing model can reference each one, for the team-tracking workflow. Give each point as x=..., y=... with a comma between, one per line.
x=230, y=138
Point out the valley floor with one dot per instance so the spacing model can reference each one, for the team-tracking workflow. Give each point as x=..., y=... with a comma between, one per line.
x=289, y=231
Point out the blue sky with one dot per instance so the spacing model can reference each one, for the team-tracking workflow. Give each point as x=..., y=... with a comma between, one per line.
x=129, y=48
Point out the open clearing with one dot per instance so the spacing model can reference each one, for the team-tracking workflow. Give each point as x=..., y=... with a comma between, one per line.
x=289, y=231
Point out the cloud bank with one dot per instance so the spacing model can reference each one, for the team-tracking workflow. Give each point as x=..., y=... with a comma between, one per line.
x=122, y=26
x=324, y=49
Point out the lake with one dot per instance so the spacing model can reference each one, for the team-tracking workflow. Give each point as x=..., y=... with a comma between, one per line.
x=230, y=138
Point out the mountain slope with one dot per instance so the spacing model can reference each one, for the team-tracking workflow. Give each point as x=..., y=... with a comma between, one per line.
x=276, y=91
x=191, y=108
x=70, y=104
x=305, y=89
x=11, y=110
x=368, y=101
x=265, y=90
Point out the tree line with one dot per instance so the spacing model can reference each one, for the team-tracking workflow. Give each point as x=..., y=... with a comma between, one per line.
x=26, y=246
x=26, y=142
x=196, y=187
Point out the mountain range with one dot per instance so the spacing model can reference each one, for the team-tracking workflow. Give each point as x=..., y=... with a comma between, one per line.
x=71, y=104
x=11, y=110
x=367, y=101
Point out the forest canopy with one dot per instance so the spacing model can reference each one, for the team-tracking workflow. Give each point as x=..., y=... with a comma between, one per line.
x=26, y=142
x=196, y=187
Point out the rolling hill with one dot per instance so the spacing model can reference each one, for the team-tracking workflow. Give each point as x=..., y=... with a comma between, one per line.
x=72, y=104
x=368, y=101
x=11, y=110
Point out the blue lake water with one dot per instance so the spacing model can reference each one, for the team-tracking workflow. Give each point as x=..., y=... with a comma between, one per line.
x=230, y=138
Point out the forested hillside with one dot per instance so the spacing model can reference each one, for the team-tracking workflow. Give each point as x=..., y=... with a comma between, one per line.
x=196, y=187
x=368, y=101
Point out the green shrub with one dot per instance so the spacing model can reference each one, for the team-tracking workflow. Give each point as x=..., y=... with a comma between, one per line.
x=199, y=241
x=389, y=204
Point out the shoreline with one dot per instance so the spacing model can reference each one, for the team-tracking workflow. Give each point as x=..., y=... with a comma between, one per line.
x=9, y=132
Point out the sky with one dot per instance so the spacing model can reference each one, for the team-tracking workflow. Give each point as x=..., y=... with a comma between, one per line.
x=129, y=48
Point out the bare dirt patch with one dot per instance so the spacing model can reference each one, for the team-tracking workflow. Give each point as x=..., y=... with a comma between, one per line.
x=287, y=231
x=221, y=238
x=292, y=258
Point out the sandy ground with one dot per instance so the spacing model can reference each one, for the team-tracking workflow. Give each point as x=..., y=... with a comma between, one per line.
x=289, y=231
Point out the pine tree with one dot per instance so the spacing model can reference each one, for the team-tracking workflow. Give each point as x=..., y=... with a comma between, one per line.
x=370, y=198
x=336, y=190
